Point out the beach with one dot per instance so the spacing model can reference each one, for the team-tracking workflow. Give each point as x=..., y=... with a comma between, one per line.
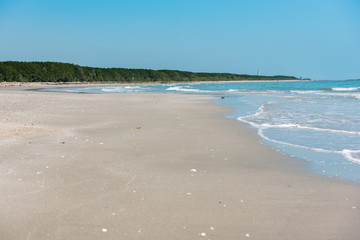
x=155, y=166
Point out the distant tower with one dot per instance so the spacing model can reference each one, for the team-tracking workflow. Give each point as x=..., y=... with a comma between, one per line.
x=258, y=72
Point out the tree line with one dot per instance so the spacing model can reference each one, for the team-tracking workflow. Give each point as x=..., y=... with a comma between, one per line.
x=13, y=71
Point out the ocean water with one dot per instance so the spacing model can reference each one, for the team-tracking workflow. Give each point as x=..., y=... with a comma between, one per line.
x=317, y=121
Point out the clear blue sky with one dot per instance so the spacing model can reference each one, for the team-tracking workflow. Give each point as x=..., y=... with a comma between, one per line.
x=319, y=39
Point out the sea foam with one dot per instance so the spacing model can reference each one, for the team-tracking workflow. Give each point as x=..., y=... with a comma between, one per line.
x=352, y=155
x=183, y=89
x=346, y=89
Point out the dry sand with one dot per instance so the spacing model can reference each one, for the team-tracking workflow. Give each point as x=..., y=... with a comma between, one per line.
x=154, y=166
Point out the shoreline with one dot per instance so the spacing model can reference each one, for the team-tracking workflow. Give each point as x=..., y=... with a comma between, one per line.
x=83, y=84
x=155, y=166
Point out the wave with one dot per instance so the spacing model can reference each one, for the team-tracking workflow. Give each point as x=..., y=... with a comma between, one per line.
x=287, y=125
x=352, y=89
x=306, y=92
x=259, y=112
x=232, y=90
x=330, y=92
x=291, y=125
x=357, y=96
x=297, y=146
x=182, y=89
x=352, y=155
x=113, y=89
x=298, y=126
x=120, y=89
x=132, y=87
x=350, y=92
x=72, y=90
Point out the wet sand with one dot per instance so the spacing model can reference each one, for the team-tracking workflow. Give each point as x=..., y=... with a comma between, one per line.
x=154, y=166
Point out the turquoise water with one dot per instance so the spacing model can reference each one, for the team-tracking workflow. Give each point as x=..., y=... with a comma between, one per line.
x=318, y=121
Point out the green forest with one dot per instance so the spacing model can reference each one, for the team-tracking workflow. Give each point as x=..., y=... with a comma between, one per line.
x=11, y=71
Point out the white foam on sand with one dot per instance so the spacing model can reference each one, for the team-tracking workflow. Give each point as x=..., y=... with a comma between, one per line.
x=352, y=155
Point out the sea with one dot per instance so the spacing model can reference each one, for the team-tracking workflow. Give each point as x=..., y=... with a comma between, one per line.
x=316, y=121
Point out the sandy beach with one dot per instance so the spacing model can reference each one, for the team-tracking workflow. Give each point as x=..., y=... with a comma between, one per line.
x=155, y=166
x=35, y=85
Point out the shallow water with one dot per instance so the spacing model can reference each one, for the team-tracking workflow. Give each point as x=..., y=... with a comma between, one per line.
x=318, y=121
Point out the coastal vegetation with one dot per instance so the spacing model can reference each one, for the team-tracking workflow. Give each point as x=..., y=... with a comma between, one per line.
x=12, y=71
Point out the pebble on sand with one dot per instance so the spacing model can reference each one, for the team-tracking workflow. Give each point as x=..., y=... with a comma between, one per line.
x=193, y=170
x=104, y=230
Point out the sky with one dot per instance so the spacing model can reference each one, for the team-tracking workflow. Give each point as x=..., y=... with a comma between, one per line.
x=319, y=39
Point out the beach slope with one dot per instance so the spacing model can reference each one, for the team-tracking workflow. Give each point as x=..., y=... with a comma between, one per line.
x=154, y=166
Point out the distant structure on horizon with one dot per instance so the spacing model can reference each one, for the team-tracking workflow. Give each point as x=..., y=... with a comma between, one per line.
x=258, y=72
